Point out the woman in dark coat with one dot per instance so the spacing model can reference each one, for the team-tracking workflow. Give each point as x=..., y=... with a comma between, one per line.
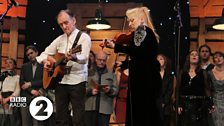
x=144, y=78
x=167, y=89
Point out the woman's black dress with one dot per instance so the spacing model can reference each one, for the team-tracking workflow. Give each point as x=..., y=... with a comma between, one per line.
x=143, y=106
x=194, y=99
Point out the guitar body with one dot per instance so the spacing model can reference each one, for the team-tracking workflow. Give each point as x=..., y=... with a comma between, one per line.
x=51, y=78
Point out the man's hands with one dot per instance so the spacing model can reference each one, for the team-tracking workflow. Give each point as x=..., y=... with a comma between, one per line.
x=49, y=62
x=26, y=85
x=70, y=56
x=35, y=92
x=104, y=89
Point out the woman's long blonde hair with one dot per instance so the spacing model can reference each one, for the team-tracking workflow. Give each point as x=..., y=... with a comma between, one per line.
x=143, y=12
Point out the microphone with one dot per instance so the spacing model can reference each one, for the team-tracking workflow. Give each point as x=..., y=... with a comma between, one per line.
x=176, y=6
x=14, y=3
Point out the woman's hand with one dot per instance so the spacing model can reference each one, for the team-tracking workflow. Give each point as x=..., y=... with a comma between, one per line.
x=107, y=43
x=113, y=116
x=5, y=100
x=212, y=109
x=180, y=109
x=94, y=91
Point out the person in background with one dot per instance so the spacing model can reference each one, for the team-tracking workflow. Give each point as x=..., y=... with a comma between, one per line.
x=91, y=63
x=216, y=76
x=204, y=54
x=31, y=83
x=9, y=85
x=101, y=90
x=144, y=78
x=71, y=88
x=121, y=99
x=194, y=93
x=167, y=89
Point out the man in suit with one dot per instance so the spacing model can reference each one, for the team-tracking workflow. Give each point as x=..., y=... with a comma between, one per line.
x=31, y=84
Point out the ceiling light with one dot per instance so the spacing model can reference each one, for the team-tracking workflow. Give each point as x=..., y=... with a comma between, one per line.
x=219, y=23
x=98, y=22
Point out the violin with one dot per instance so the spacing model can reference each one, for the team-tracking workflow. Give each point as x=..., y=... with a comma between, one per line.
x=120, y=38
x=123, y=38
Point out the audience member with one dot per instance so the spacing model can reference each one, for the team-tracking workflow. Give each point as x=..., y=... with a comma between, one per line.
x=217, y=81
x=31, y=82
x=9, y=85
x=167, y=89
x=91, y=63
x=101, y=89
x=121, y=100
x=194, y=93
x=204, y=54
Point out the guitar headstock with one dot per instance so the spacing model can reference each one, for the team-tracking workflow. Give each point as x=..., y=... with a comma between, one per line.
x=77, y=49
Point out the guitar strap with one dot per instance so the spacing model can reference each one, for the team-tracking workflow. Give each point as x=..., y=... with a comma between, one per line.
x=67, y=69
x=76, y=39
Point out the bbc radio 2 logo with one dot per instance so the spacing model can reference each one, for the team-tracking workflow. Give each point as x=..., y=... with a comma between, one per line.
x=17, y=102
x=40, y=107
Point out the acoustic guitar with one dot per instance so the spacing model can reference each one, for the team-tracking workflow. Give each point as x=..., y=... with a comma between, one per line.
x=53, y=76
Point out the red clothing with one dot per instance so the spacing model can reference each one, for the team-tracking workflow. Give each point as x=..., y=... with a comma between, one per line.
x=122, y=98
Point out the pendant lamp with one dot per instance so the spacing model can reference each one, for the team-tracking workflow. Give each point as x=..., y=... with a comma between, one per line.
x=98, y=23
x=219, y=23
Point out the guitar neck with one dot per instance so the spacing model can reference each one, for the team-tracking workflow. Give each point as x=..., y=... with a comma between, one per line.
x=60, y=58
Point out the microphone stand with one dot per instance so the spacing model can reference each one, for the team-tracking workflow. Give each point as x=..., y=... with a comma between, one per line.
x=1, y=40
x=177, y=29
x=178, y=23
